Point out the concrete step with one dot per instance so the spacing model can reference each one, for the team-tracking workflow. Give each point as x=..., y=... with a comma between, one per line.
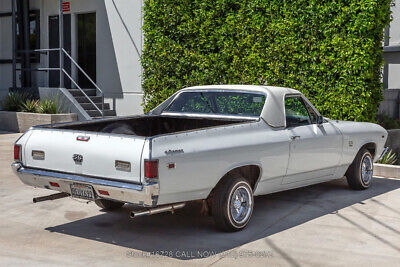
x=89, y=106
x=96, y=113
x=77, y=92
x=83, y=99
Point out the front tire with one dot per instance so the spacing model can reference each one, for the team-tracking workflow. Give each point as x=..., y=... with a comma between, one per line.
x=359, y=174
x=232, y=204
x=108, y=204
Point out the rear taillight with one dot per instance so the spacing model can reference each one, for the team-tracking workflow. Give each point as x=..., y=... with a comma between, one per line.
x=151, y=168
x=53, y=184
x=104, y=192
x=17, y=152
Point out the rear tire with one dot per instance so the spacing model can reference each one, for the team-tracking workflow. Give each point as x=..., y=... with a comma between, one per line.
x=359, y=174
x=108, y=204
x=232, y=204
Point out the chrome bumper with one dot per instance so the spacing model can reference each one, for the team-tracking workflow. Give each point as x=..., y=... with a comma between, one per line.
x=143, y=195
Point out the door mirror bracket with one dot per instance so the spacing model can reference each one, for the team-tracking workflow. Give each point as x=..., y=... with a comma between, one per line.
x=320, y=120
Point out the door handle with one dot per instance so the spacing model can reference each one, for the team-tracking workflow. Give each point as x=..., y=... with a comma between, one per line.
x=294, y=137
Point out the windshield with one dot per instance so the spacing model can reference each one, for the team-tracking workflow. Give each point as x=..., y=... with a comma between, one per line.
x=219, y=103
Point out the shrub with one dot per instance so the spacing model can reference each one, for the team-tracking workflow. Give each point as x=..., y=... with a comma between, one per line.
x=389, y=158
x=329, y=50
x=30, y=106
x=47, y=106
x=14, y=101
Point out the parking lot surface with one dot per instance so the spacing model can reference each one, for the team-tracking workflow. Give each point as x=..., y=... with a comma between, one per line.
x=325, y=224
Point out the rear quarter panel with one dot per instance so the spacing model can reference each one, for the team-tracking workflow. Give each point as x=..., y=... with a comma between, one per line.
x=208, y=154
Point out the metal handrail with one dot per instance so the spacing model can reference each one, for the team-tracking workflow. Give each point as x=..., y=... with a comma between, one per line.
x=76, y=64
x=47, y=49
x=72, y=80
x=87, y=76
x=83, y=92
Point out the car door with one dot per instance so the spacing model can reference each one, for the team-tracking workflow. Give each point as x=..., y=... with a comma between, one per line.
x=315, y=149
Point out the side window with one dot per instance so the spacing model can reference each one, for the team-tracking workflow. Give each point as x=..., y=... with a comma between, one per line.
x=296, y=112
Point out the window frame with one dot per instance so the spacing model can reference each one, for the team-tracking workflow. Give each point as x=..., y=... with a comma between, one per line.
x=34, y=15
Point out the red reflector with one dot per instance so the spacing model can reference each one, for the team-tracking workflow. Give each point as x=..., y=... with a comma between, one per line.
x=151, y=168
x=83, y=138
x=103, y=192
x=171, y=165
x=54, y=184
x=17, y=152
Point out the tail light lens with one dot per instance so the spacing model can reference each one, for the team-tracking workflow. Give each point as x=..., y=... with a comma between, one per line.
x=17, y=152
x=53, y=184
x=151, y=168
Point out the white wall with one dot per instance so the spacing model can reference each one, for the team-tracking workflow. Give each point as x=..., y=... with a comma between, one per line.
x=395, y=24
x=125, y=20
x=119, y=44
x=118, y=65
x=393, y=58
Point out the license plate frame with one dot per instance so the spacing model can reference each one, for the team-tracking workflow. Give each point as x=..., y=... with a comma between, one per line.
x=82, y=191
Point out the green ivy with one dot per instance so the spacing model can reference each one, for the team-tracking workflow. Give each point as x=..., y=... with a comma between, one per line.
x=331, y=50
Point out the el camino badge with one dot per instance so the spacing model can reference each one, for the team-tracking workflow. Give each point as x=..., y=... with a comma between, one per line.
x=176, y=151
x=78, y=159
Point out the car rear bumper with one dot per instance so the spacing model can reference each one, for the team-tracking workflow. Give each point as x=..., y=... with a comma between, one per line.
x=143, y=195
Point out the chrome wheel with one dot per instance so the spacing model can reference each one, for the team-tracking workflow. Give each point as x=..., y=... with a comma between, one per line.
x=241, y=204
x=366, y=169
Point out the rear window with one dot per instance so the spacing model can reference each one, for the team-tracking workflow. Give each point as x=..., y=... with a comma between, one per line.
x=220, y=103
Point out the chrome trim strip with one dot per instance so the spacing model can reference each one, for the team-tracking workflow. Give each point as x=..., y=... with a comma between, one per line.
x=76, y=178
x=208, y=115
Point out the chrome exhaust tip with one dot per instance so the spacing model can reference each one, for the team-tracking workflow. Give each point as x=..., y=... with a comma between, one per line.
x=156, y=210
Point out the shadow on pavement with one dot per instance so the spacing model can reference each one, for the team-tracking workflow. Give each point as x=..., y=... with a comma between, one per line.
x=187, y=235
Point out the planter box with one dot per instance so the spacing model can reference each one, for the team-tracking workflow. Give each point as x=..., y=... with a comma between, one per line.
x=388, y=171
x=22, y=121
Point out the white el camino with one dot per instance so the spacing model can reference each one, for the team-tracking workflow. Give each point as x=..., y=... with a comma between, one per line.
x=221, y=145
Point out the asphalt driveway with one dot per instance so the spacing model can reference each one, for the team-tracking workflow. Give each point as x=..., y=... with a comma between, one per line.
x=326, y=224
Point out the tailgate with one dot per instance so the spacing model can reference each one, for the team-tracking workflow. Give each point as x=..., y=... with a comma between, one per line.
x=95, y=155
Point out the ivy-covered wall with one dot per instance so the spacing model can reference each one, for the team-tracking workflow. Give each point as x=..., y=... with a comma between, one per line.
x=331, y=50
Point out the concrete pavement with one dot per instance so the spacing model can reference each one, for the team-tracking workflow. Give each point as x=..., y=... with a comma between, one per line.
x=326, y=224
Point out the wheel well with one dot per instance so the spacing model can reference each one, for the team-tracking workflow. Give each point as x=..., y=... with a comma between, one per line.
x=371, y=147
x=250, y=172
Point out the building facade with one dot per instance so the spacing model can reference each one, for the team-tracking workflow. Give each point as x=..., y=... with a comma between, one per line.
x=391, y=73
x=104, y=37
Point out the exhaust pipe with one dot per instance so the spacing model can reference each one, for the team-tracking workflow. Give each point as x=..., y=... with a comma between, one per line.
x=161, y=209
x=51, y=197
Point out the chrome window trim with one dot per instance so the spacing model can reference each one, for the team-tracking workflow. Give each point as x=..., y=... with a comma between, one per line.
x=305, y=101
x=207, y=115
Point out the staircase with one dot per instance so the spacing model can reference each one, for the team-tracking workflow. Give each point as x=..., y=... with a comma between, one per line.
x=89, y=107
x=90, y=100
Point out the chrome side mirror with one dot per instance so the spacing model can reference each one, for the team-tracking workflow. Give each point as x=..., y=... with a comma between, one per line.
x=320, y=120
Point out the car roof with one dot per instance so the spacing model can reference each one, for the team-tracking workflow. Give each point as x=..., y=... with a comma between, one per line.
x=240, y=87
